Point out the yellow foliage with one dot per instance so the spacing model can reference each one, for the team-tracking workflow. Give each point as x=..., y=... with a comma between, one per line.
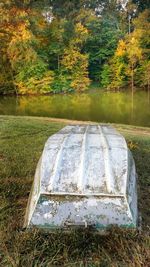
x=70, y=59
x=73, y=60
x=19, y=49
x=80, y=83
x=134, y=50
x=35, y=85
x=80, y=29
x=132, y=145
x=20, y=55
x=121, y=49
x=21, y=33
x=76, y=64
x=80, y=37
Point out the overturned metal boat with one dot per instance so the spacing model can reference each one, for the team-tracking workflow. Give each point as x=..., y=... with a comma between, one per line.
x=85, y=177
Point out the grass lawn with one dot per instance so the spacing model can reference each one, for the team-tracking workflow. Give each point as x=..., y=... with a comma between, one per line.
x=21, y=143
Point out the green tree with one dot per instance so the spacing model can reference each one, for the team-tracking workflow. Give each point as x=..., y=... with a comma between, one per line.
x=106, y=75
x=74, y=63
x=143, y=75
x=58, y=45
x=104, y=34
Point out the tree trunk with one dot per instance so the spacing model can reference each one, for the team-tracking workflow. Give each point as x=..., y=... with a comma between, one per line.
x=129, y=19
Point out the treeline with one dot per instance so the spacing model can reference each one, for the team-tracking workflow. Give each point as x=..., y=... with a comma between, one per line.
x=62, y=46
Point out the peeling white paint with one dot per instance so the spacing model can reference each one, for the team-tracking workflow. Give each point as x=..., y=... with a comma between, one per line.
x=86, y=176
x=77, y=204
x=92, y=202
x=48, y=216
x=84, y=159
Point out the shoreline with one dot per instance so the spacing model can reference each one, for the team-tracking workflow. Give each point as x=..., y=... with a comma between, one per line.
x=126, y=128
x=88, y=90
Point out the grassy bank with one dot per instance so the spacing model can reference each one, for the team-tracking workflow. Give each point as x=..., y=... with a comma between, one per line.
x=21, y=143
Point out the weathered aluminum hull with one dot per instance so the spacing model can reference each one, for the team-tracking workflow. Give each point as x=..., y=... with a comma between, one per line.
x=86, y=177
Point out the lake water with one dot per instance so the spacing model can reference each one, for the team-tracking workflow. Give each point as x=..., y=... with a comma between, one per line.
x=94, y=106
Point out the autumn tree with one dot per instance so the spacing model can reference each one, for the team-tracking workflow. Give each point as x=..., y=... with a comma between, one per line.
x=138, y=44
x=6, y=77
x=129, y=63
x=29, y=73
x=119, y=66
x=114, y=74
x=74, y=63
x=56, y=46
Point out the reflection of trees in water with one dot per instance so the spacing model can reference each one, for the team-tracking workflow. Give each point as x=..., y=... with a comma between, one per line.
x=97, y=106
x=81, y=106
x=111, y=107
x=82, y=100
x=38, y=105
